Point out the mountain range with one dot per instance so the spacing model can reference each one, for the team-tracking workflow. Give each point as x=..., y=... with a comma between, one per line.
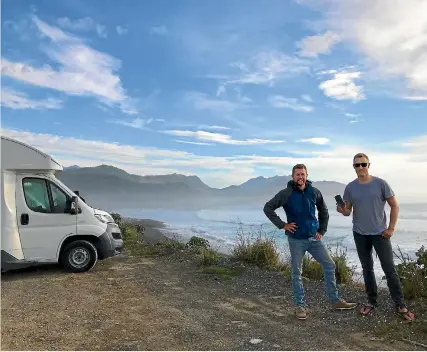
x=111, y=188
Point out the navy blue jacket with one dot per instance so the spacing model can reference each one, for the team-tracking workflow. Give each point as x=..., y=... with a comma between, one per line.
x=300, y=208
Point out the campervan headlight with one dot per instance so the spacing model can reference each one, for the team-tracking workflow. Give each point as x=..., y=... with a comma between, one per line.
x=104, y=218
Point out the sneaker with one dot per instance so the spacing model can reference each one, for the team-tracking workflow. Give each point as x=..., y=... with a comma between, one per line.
x=341, y=304
x=301, y=313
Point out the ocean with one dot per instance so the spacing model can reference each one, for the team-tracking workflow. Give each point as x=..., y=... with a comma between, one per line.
x=221, y=226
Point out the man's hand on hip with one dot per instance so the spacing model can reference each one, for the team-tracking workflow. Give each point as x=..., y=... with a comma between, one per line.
x=290, y=227
x=318, y=236
x=387, y=233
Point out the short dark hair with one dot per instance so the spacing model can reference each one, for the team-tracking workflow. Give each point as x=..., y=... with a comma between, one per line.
x=360, y=155
x=299, y=166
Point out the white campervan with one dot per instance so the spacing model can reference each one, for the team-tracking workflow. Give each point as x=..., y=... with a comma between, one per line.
x=43, y=221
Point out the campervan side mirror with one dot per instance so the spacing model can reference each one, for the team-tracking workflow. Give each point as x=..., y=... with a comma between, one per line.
x=73, y=205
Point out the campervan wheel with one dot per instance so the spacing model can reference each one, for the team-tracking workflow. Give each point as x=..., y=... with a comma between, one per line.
x=79, y=256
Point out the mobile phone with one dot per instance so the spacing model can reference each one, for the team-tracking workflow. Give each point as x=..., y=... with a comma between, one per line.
x=339, y=201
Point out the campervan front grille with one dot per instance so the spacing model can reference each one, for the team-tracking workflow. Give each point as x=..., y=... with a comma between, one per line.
x=116, y=235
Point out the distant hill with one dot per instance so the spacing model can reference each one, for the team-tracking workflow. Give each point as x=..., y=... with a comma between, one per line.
x=109, y=187
x=71, y=167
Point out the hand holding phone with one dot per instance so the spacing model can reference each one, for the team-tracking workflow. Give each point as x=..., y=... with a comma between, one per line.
x=340, y=201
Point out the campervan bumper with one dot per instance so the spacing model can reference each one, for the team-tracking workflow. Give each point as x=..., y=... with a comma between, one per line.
x=111, y=242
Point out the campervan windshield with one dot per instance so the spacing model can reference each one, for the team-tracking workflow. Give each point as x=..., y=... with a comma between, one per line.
x=64, y=187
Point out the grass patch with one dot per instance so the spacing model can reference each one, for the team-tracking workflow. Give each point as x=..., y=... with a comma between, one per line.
x=256, y=248
x=208, y=256
x=222, y=271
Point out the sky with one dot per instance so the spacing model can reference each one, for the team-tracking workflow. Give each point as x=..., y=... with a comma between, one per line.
x=226, y=90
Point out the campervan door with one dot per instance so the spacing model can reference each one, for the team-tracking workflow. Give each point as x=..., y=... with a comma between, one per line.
x=43, y=217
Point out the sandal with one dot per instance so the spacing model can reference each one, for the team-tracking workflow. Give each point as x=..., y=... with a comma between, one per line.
x=407, y=315
x=367, y=309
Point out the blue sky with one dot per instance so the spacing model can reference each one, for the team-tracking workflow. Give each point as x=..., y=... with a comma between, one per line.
x=227, y=90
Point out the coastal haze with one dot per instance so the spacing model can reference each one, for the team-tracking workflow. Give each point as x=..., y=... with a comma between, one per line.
x=111, y=188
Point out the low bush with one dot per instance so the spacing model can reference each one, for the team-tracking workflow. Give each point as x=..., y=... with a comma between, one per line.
x=256, y=248
x=208, y=256
x=197, y=242
x=413, y=274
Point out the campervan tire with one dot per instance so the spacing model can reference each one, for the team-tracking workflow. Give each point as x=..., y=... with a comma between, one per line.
x=79, y=256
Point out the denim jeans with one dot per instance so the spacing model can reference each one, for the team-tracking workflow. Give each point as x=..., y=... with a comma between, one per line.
x=382, y=245
x=298, y=248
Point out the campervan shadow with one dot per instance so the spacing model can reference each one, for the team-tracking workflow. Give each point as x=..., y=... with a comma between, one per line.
x=43, y=221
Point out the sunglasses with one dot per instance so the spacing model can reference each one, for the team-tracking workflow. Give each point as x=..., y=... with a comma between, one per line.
x=360, y=165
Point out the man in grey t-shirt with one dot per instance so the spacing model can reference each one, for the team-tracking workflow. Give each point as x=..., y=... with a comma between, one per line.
x=366, y=197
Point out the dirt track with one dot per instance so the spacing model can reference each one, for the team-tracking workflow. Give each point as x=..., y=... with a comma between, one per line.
x=165, y=303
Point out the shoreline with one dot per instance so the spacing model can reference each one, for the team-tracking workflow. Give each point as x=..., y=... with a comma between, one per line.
x=153, y=228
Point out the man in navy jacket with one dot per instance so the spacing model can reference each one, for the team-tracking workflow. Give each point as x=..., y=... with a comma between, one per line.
x=300, y=201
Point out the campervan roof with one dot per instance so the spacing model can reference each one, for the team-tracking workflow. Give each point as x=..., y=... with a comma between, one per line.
x=18, y=156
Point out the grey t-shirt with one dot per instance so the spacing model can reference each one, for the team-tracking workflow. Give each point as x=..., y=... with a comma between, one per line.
x=368, y=201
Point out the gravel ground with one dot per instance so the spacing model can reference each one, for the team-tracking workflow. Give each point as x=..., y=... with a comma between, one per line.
x=168, y=303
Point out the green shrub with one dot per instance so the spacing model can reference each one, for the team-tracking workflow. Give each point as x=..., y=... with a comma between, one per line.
x=172, y=244
x=130, y=234
x=256, y=247
x=286, y=270
x=262, y=253
x=197, y=242
x=208, y=256
x=311, y=269
x=343, y=272
x=117, y=218
x=413, y=274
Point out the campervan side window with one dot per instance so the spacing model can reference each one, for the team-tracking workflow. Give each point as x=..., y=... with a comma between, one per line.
x=59, y=199
x=43, y=196
x=36, y=195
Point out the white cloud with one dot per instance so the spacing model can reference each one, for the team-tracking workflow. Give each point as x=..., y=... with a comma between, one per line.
x=419, y=143
x=83, y=24
x=220, y=90
x=219, y=137
x=280, y=102
x=190, y=142
x=202, y=101
x=318, y=44
x=351, y=115
x=121, y=30
x=342, y=86
x=159, y=30
x=137, y=123
x=81, y=70
x=306, y=98
x=390, y=34
x=415, y=97
x=265, y=68
x=353, y=118
x=19, y=101
x=213, y=127
x=221, y=171
x=318, y=140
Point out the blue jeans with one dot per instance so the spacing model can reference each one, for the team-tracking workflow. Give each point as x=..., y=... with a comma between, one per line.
x=298, y=248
